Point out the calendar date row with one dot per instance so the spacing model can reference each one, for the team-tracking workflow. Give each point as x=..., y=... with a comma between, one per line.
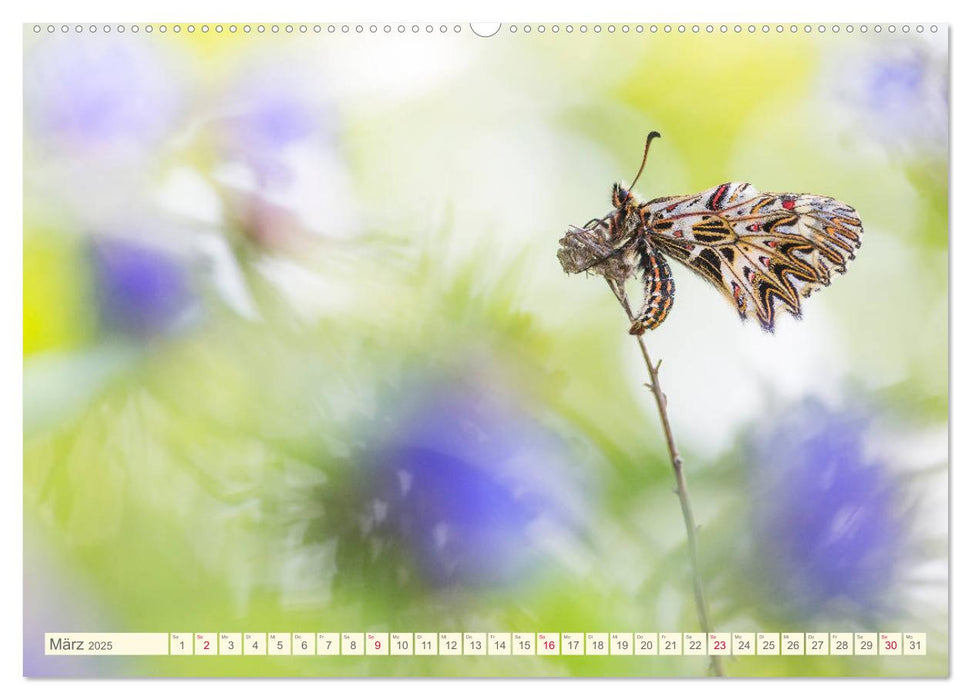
x=489, y=644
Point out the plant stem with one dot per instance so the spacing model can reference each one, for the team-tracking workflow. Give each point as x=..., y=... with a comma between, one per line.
x=661, y=399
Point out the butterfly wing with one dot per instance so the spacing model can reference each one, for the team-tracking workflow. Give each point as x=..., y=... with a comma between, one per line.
x=764, y=251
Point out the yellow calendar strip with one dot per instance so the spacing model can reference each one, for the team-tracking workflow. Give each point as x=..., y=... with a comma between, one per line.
x=260, y=644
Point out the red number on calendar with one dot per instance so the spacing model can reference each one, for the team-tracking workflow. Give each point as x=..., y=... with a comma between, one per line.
x=205, y=644
x=377, y=645
x=550, y=645
x=891, y=645
x=719, y=645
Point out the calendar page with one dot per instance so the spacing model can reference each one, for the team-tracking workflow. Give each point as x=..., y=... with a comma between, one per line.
x=485, y=350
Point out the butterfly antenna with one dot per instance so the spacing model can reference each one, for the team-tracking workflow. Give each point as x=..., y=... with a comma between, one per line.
x=647, y=146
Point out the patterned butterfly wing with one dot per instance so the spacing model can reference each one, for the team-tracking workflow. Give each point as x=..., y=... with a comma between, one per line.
x=764, y=251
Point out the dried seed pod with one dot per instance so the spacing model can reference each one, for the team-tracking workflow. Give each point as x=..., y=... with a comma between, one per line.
x=586, y=250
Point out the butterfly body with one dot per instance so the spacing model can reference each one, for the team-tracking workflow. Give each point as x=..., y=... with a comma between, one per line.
x=763, y=251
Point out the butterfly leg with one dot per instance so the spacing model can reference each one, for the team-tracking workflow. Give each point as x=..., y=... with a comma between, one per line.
x=658, y=289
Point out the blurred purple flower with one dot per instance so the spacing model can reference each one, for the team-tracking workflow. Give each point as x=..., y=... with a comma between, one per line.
x=57, y=599
x=98, y=92
x=828, y=523
x=275, y=132
x=463, y=478
x=269, y=110
x=141, y=290
x=898, y=96
x=274, y=119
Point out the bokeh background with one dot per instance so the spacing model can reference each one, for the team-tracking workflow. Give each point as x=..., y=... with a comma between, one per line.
x=299, y=355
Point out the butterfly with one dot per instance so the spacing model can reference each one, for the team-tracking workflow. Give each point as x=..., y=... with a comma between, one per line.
x=764, y=251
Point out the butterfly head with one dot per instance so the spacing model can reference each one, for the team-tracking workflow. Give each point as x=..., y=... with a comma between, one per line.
x=621, y=196
x=626, y=207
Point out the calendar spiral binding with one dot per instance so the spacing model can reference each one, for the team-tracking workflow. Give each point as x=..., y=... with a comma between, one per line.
x=484, y=31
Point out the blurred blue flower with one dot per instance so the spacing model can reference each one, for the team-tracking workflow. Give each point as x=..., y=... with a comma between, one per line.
x=271, y=108
x=829, y=529
x=898, y=96
x=57, y=599
x=469, y=484
x=98, y=92
x=274, y=118
x=279, y=159
x=141, y=290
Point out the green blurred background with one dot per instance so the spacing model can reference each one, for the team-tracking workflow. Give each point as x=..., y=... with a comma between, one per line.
x=299, y=356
